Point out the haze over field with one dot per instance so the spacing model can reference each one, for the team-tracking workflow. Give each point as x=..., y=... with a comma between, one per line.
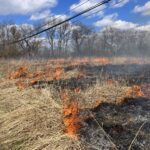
x=116, y=29
x=74, y=75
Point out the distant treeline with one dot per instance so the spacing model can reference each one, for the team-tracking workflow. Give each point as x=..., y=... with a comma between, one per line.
x=72, y=40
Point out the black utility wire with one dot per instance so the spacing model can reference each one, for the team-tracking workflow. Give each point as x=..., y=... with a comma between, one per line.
x=94, y=13
x=75, y=16
x=49, y=22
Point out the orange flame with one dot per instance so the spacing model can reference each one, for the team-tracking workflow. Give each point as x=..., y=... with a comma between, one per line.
x=21, y=85
x=135, y=91
x=110, y=82
x=58, y=73
x=21, y=72
x=101, y=60
x=79, y=61
x=71, y=120
x=28, y=79
x=138, y=91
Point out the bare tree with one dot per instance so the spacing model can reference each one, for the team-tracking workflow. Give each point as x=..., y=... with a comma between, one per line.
x=81, y=38
x=89, y=43
x=51, y=35
x=30, y=46
x=79, y=34
x=63, y=34
x=8, y=34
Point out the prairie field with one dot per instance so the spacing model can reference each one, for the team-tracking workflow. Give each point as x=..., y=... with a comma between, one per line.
x=75, y=75
x=75, y=104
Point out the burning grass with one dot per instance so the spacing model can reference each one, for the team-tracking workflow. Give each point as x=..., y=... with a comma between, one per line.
x=53, y=119
x=27, y=79
x=79, y=61
x=71, y=119
x=21, y=72
x=32, y=119
x=108, y=93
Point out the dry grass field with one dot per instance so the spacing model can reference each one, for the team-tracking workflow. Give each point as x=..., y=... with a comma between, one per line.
x=74, y=104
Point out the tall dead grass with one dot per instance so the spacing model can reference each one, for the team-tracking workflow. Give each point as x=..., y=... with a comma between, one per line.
x=32, y=119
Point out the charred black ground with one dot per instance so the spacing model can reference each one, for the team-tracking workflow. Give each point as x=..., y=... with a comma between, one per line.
x=120, y=122
x=129, y=74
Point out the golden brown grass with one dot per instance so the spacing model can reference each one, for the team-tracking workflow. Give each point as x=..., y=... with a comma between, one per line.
x=31, y=119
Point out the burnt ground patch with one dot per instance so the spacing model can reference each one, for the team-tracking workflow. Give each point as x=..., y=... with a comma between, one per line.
x=71, y=83
x=121, y=123
x=131, y=74
x=118, y=122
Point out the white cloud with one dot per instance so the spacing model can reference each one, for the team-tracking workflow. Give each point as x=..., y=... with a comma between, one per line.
x=19, y=27
x=83, y=5
x=26, y=27
x=61, y=17
x=112, y=21
x=39, y=16
x=144, y=27
x=144, y=10
x=24, y=6
x=119, y=3
x=54, y=19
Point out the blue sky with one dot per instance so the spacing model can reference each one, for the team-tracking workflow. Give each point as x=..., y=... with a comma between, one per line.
x=128, y=14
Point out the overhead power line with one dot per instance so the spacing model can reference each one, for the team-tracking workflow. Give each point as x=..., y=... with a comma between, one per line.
x=91, y=14
x=62, y=22
x=95, y=12
x=55, y=18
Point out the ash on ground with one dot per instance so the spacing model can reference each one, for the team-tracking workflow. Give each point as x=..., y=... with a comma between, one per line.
x=118, y=124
